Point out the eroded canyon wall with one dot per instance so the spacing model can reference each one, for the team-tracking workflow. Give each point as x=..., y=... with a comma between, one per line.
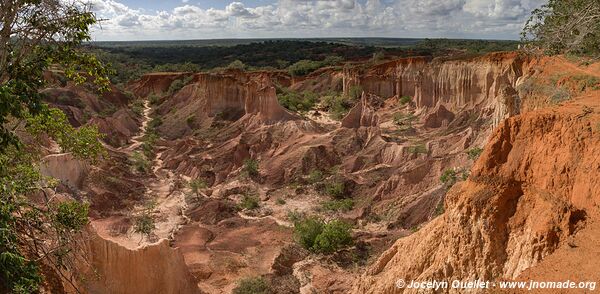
x=528, y=193
x=457, y=84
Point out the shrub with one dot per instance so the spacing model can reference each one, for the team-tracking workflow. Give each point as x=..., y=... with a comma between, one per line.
x=139, y=162
x=587, y=82
x=355, y=92
x=280, y=201
x=190, y=120
x=335, y=188
x=249, y=202
x=314, y=234
x=335, y=235
x=403, y=119
x=138, y=107
x=71, y=215
x=251, y=167
x=343, y=205
x=108, y=111
x=449, y=177
x=338, y=105
x=296, y=101
x=237, y=64
x=474, y=153
x=153, y=99
x=315, y=176
x=559, y=95
x=378, y=56
x=303, y=67
x=417, y=149
x=155, y=123
x=196, y=185
x=405, y=99
x=256, y=285
x=144, y=224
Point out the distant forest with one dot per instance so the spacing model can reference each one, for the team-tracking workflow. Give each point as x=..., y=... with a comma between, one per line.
x=132, y=59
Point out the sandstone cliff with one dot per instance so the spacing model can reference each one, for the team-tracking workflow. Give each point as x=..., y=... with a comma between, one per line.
x=111, y=268
x=532, y=189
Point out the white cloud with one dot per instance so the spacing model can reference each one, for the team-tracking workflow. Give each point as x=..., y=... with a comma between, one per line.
x=318, y=18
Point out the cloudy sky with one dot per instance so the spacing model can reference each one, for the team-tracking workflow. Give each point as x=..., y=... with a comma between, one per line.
x=214, y=19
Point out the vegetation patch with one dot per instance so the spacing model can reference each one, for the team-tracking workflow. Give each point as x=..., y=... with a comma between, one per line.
x=296, y=101
x=144, y=225
x=405, y=100
x=196, y=185
x=250, y=168
x=249, y=202
x=315, y=176
x=322, y=237
x=139, y=162
x=474, y=153
x=343, y=205
x=418, y=149
x=304, y=67
x=255, y=285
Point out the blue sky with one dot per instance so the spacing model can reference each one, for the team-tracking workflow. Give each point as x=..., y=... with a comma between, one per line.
x=210, y=19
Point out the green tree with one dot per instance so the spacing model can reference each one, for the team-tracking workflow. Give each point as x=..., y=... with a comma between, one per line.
x=35, y=35
x=563, y=26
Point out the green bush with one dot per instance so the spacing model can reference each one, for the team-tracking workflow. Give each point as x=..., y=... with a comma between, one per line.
x=71, y=215
x=474, y=153
x=335, y=188
x=250, y=167
x=378, y=56
x=280, y=201
x=418, y=149
x=237, y=64
x=355, y=92
x=403, y=119
x=449, y=177
x=197, y=184
x=144, y=224
x=139, y=162
x=315, y=176
x=138, y=107
x=343, y=205
x=304, y=67
x=178, y=84
x=338, y=105
x=257, y=285
x=296, y=101
x=335, y=235
x=190, y=120
x=249, y=202
x=314, y=234
x=155, y=123
x=405, y=99
x=153, y=99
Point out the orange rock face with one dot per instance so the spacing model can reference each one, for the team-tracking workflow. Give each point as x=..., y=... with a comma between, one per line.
x=458, y=84
x=533, y=189
x=110, y=268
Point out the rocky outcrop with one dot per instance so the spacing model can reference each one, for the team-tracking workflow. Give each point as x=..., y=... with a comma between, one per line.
x=111, y=268
x=457, y=84
x=530, y=191
x=66, y=168
x=154, y=83
x=225, y=96
x=361, y=115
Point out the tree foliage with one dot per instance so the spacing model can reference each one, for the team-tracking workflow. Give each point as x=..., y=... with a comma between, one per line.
x=563, y=26
x=36, y=36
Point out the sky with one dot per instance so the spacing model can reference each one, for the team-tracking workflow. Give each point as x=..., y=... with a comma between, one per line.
x=126, y=20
